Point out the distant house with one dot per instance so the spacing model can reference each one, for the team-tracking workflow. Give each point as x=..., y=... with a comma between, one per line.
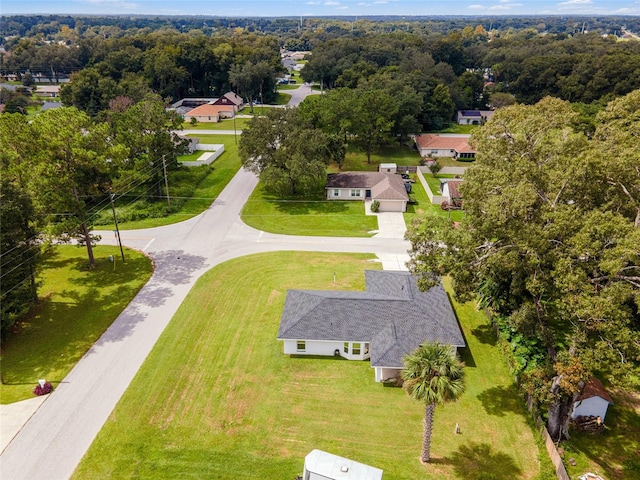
x=455, y=146
x=319, y=465
x=50, y=91
x=230, y=99
x=210, y=113
x=185, y=105
x=473, y=117
x=387, y=188
x=593, y=401
x=382, y=324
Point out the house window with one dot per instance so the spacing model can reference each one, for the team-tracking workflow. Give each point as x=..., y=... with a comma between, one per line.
x=355, y=192
x=336, y=192
x=356, y=349
x=434, y=152
x=346, y=347
x=301, y=345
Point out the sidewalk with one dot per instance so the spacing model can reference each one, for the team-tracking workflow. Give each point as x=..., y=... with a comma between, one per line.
x=14, y=415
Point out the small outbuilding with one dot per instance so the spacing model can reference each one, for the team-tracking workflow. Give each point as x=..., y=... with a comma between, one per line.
x=388, y=168
x=319, y=465
x=593, y=401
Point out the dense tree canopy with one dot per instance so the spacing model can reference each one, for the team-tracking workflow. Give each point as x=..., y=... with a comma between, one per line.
x=290, y=156
x=550, y=244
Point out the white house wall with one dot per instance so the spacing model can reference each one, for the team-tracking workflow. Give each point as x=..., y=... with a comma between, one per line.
x=327, y=348
x=312, y=347
x=384, y=373
x=345, y=194
x=594, y=406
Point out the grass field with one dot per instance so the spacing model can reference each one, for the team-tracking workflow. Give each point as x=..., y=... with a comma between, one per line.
x=76, y=306
x=356, y=160
x=216, y=398
x=222, y=171
x=307, y=217
x=425, y=207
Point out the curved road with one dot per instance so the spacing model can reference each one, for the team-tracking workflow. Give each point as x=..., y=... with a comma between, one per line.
x=56, y=437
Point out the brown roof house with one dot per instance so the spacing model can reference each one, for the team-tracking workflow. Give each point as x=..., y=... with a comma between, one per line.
x=455, y=146
x=387, y=188
x=230, y=99
x=390, y=319
x=593, y=401
x=451, y=193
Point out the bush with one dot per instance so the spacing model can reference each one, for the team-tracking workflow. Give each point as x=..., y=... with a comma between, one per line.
x=44, y=389
x=375, y=206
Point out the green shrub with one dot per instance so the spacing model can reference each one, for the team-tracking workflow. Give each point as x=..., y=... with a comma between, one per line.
x=375, y=206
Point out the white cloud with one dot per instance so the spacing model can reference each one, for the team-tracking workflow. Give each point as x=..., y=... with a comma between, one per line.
x=118, y=4
x=331, y=3
x=476, y=7
x=577, y=2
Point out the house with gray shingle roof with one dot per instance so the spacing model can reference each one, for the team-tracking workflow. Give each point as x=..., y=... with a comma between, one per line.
x=387, y=188
x=384, y=323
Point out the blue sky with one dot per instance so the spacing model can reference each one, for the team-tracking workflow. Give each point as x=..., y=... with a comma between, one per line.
x=270, y=8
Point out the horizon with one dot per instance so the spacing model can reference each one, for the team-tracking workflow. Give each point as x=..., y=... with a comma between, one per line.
x=324, y=8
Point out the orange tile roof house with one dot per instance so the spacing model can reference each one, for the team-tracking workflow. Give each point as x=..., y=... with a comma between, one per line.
x=210, y=113
x=455, y=146
x=387, y=188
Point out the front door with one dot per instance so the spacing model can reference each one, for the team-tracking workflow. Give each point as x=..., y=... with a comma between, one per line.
x=367, y=194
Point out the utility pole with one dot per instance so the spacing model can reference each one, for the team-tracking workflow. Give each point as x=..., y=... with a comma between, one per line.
x=166, y=181
x=235, y=135
x=115, y=220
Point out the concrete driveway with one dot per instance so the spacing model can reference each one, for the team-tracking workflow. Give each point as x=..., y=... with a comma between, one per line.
x=60, y=431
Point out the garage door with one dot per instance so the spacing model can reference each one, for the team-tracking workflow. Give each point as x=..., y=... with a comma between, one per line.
x=391, y=206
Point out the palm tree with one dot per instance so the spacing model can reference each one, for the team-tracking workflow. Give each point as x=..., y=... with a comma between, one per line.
x=432, y=374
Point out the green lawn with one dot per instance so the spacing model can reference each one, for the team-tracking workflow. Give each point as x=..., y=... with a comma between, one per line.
x=425, y=207
x=282, y=98
x=216, y=398
x=220, y=174
x=455, y=128
x=307, y=217
x=190, y=157
x=452, y=162
x=434, y=181
x=356, y=159
x=224, y=124
x=76, y=306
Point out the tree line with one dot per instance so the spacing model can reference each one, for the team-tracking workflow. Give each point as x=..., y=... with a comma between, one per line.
x=59, y=171
x=550, y=246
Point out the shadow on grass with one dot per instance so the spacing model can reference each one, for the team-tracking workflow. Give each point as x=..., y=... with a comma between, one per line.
x=306, y=206
x=477, y=460
x=485, y=334
x=498, y=401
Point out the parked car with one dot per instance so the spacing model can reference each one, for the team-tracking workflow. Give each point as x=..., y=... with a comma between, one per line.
x=407, y=178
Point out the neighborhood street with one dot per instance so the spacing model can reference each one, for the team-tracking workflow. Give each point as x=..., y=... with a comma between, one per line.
x=61, y=430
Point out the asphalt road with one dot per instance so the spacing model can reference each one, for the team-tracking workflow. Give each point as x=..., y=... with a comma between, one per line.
x=54, y=440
